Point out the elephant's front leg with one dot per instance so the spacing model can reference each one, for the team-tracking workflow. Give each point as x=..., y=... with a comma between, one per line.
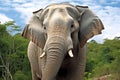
x=78, y=72
x=79, y=66
x=33, y=58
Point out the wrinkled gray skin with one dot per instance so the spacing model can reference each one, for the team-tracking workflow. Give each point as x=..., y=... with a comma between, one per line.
x=55, y=30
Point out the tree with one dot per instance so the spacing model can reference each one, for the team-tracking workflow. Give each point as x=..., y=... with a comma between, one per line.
x=103, y=59
x=12, y=51
x=5, y=40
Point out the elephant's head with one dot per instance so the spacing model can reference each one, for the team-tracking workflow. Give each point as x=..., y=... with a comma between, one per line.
x=59, y=28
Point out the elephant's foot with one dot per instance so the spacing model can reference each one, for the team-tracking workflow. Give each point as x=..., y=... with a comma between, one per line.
x=38, y=76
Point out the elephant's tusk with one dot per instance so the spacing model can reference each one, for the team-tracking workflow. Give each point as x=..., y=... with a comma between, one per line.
x=70, y=53
x=43, y=54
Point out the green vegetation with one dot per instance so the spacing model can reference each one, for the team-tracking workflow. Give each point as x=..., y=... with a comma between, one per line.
x=14, y=64
x=102, y=59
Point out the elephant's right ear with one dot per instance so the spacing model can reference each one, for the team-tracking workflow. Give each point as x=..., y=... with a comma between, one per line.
x=34, y=30
x=90, y=24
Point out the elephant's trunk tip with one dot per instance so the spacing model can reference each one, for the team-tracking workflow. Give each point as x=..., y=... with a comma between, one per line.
x=70, y=53
x=43, y=54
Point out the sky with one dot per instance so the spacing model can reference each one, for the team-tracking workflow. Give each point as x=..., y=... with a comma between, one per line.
x=107, y=10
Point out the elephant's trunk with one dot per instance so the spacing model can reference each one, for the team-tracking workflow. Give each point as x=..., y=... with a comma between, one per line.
x=56, y=48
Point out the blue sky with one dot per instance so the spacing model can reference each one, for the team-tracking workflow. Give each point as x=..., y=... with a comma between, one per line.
x=107, y=10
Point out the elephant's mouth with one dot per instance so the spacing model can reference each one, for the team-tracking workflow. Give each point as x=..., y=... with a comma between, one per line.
x=64, y=70
x=62, y=73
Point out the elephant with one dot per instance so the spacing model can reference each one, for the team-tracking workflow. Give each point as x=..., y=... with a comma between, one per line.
x=58, y=35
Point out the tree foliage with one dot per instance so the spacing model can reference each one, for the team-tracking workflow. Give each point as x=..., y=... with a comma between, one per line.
x=13, y=57
x=103, y=59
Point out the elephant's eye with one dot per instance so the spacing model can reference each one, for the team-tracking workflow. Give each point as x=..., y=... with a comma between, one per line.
x=72, y=26
x=44, y=28
x=44, y=24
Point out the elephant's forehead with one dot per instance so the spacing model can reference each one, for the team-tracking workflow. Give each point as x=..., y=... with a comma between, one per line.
x=53, y=6
x=64, y=8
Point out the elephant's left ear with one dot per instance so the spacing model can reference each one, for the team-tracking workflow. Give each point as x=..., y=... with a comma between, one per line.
x=34, y=30
x=90, y=25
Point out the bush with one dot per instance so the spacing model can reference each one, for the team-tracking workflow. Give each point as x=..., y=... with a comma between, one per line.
x=19, y=75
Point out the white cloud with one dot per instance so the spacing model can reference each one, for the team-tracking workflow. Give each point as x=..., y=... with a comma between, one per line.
x=26, y=9
x=4, y=18
x=18, y=1
x=111, y=19
x=102, y=1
